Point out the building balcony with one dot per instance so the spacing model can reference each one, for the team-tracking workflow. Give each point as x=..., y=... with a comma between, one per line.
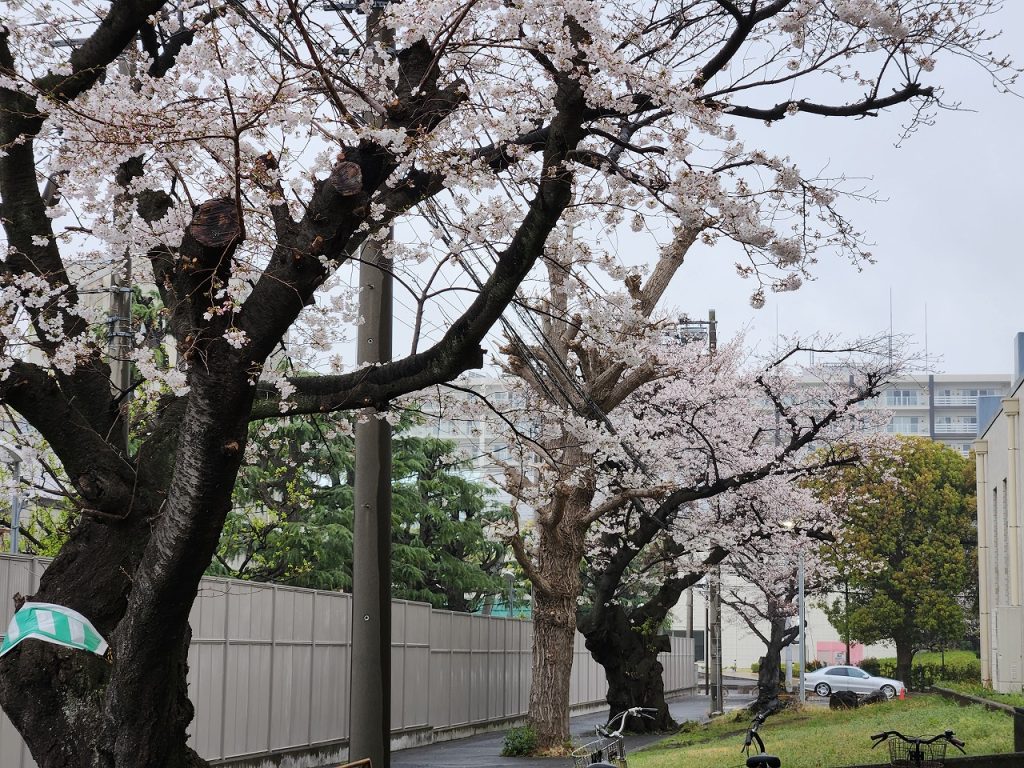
x=960, y=400
x=956, y=429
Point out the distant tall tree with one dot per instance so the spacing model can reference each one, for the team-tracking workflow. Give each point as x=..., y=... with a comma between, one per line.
x=292, y=516
x=908, y=547
x=681, y=472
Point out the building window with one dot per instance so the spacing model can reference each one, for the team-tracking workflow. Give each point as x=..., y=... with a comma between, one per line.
x=1006, y=544
x=906, y=425
x=997, y=538
x=902, y=397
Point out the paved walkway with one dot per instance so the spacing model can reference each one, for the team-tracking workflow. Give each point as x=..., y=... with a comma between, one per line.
x=484, y=750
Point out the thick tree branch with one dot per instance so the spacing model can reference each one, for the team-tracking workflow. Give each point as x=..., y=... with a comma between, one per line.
x=459, y=350
x=867, y=107
x=100, y=474
x=617, y=502
x=115, y=32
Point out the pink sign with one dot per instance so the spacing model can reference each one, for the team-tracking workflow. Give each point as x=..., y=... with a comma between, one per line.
x=834, y=652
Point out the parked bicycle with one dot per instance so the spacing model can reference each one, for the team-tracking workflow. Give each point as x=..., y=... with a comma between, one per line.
x=917, y=751
x=609, y=749
x=762, y=759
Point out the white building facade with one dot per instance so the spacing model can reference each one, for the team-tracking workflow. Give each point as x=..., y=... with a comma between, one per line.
x=1000, y=550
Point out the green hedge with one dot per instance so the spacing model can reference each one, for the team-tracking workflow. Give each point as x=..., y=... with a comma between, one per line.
x=923, y=675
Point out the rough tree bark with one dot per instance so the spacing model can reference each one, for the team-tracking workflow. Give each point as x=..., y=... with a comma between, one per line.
x=556, y=578
x=628, y=651
x=770, y=672
x=904, y=659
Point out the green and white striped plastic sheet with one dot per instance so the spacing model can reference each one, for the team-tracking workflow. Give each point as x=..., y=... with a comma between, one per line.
x=53, y=624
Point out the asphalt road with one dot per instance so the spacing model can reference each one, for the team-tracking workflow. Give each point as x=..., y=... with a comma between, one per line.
x=485, y=749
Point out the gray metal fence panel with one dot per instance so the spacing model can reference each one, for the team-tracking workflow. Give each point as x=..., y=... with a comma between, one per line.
x=18, y=574
x=269, y=666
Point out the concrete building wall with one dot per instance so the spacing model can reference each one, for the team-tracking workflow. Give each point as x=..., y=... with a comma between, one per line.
x=1000, y=482
x=741, y=647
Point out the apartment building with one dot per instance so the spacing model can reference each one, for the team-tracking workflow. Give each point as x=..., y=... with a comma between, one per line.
x=940, y=406
x=455, y=415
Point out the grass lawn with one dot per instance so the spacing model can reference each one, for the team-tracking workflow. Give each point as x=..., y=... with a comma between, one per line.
x=953, y=658
x=819, y=737
x=979, y=690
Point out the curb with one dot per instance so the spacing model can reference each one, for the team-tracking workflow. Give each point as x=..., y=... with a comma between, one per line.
x=965, y=699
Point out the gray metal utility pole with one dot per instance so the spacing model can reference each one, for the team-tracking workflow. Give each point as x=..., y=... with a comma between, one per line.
x=370, y=723
x=803, y=633
x=714, y=670
x=120, y=335
x=370, y=704
x=686, y=331
x=120, y=339
x=15, y=463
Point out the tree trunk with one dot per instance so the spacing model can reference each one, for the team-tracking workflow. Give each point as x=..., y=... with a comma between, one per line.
x=629, y=655
x=770, y=673
x=135, y=579
x=51, y=693
x=554, y=630
x=904, y=661
x=559, y=552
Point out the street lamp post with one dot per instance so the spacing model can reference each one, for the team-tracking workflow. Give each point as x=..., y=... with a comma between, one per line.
x=791, y=526
x=803, y=631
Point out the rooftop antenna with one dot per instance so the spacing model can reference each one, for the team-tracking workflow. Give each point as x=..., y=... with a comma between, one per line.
x=890, y=326
x=927, y=361
x=776, y=329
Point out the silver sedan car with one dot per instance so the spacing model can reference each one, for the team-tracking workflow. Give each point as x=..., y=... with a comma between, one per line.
x=842, y=678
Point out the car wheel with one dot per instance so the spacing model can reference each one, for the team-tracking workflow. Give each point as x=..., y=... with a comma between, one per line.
x=889, y=691
x=823, y=689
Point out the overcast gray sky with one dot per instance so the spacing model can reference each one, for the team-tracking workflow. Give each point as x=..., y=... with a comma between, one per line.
x=947, y=234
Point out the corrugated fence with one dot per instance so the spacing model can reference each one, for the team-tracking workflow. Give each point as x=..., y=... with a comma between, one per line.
x=269, y=668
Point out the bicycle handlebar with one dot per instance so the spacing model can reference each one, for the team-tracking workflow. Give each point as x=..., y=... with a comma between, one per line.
x=752, y=731
x=948, y=736
x=621, y=717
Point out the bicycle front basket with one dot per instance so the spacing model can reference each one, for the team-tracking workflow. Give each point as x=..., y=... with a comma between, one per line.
x=907, y=755
x=603, y=750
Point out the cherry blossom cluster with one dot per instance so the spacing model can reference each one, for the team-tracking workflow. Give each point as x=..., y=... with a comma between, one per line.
x=261, y=102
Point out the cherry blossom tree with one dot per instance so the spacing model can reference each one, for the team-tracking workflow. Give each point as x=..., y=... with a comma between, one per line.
x=696, y=463
x=236, y=156
x=763, y=588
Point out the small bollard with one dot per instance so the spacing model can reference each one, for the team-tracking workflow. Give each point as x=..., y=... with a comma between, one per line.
x=1018, y=729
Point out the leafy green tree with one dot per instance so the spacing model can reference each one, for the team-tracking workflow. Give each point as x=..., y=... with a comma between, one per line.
x=292, y=516
x=908, y=548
